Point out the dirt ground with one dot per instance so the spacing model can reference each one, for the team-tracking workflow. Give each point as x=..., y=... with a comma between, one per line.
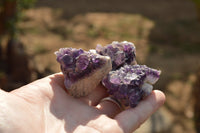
x=166, y=35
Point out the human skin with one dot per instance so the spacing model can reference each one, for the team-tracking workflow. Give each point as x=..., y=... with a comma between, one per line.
x=44, y=106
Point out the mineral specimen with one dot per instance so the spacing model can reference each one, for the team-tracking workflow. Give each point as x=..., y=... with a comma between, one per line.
x=115, y=65
x=82, y=70
x=120, y=53
x=131, y=83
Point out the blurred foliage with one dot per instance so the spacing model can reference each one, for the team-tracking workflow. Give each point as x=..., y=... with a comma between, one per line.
x=25, y=4
x=12, y=11
x=21, y=6
x=40, y=49
x=197, y=3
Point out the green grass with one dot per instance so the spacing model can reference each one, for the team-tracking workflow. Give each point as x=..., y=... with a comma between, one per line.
x=40, y=49
x=125, y=35
x=32, y=30
x=62, y=31
x=92, y=31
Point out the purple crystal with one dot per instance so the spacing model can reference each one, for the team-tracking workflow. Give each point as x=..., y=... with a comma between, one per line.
x=127, y=82
x=79, y=66
x=82, y=62
x=120, y=53
x=131, y=83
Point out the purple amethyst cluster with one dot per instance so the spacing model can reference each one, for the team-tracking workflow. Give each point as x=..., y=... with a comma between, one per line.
x=131, y=83
x=128, y=82
x=79, y=67
x=120, y=53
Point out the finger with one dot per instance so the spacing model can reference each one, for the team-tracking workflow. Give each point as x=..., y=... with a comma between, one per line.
x=109, y=107
x=95, y=96
x=46, y=86
x=84, y=129
x=92, y=99
x=129, y=120
x=2, y=93
x=57, y=78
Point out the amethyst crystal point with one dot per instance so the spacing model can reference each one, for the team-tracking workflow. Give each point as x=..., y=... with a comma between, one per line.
x=120, y=53
x=131, y=83
x=82, y=70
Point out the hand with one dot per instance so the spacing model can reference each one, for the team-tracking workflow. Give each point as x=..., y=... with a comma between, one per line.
x=45, y=107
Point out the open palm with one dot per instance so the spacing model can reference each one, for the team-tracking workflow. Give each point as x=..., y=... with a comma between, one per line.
x=45, y=107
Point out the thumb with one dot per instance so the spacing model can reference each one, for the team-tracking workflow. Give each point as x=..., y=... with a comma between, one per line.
x=130, y=119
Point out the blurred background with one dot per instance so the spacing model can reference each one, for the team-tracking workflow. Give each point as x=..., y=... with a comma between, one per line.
x=166, y=34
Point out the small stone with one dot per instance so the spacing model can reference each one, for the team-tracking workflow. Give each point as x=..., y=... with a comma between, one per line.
x=121, y=53
x=131, y=83
x=82, y=70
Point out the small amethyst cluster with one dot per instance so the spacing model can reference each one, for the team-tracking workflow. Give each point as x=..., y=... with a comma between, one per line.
x=131, y=83
x=78, y=65
x=120, y=53
x=115, y=65
x=127, y=82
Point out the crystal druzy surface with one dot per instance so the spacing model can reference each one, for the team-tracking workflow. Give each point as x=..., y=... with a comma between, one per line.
x=78, y=65
x=131, y=83
x=127, y=82
x=120, y=53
